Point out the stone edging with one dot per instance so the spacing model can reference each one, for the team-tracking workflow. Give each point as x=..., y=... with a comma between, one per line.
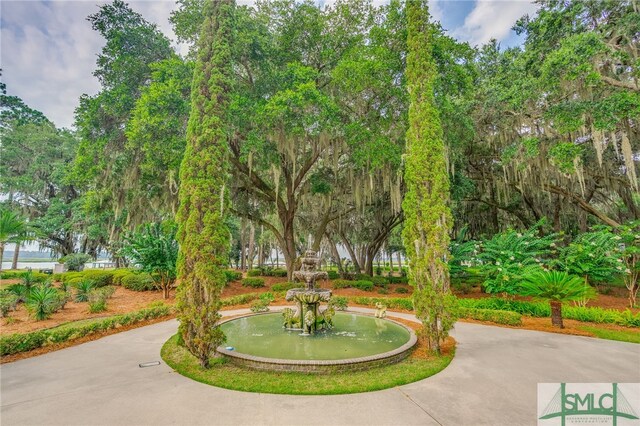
x=322, y=366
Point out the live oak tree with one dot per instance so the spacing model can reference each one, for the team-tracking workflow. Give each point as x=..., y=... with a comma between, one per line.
x=427, y=215
x=203, y=234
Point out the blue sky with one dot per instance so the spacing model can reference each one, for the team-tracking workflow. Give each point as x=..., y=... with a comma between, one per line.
x=48, y=50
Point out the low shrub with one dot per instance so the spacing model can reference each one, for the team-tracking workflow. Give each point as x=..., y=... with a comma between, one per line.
x=462, y=287
x=340, y=303
x=97, y=305
x=362, y=285
x=286, y=286
x=31, y=278
x=23, y=342
x=140, y=281
x=262, y=303
x=498, y=317
x=253, y=282
x=240, y=299
x=340, y=283
x=275, y=272
x=363, y=277
x=21, y=291
x=10, y=275
x=254, y=272
x=66, y=276
x=99, y=278
x=541, y=309
x=333, y=275
x=8, y=302
x=402, y=290
x=380, y=281
x=119, y=274
x=383, y=290
x=390, y=302
x=232, y=275
x=398, y=280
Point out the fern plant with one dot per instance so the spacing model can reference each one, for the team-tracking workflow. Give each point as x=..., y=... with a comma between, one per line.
x=555, y=287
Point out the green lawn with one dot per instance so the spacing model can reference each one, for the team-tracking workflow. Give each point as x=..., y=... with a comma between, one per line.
x=621, y=335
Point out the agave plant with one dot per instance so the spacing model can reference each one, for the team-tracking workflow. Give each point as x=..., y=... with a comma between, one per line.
x=42, y=302
x=556, y=287
x=83, y=289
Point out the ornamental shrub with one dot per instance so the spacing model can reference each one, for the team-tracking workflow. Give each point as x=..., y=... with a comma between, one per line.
x=499, y=317
x=75, y=261
x=83, y=288
x=232, y=275
x=22, y=342
x=140, y=281
x=253, y=282
x=362, y=285
x=402, y=290
x=254, y=272
x=339, y=303
x=119, y=274
x=99, y=278
x=340, y=283
x=333, y=275
x=42, y=302
x=286, y=286
x=8, y=302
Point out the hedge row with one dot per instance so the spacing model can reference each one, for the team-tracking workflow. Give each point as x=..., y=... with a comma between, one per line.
x=267, y=272
x=542, y=309
x=499, y=317
x=361, y=284
x=390, y=302
x=128, y=278
x=240, y=299
x=16, y=343
x=253, y=282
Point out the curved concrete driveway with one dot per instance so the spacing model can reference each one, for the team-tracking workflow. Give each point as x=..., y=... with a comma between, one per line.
x=492, y=380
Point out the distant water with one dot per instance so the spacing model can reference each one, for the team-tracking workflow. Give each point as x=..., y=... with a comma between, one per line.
x=39, y=265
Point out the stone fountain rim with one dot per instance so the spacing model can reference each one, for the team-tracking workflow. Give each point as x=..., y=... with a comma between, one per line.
x=321, y=366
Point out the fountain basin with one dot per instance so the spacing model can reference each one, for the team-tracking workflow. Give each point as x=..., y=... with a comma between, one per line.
x=357, y=342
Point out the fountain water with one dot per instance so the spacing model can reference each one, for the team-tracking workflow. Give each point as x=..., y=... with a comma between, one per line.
x=308, y=317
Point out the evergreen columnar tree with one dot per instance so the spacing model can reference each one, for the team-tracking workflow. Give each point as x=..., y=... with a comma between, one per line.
x=427, y=215
x=202, y=234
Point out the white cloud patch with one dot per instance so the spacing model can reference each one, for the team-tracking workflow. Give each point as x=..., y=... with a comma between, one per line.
x=492, y=19
x=48, y=51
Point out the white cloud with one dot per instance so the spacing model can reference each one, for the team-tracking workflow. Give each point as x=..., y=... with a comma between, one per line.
x=492, y=19
x=48, y=51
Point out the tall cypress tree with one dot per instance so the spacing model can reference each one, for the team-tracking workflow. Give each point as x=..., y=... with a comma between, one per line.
x=203, y=235
x=427, y=215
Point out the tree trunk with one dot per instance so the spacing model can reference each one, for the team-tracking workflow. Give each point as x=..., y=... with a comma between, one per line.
x=352, y=254
x=556, y=314
x=16, y=255
x=1, y=254
x=390, y=263
x=252, y=242
x=335, y=253
x=243, y=255
x=399, y=262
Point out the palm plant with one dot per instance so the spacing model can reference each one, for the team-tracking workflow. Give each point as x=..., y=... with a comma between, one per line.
x=83, y=289
x=12, y=230
x=42, y=302
x=555, y=287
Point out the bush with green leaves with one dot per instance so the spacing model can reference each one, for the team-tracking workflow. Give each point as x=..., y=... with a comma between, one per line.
x=99, y=278
x=20, y=291
x=154, y=248
x=511, y=255
x=42, y=302
x=8, y=302
x=75, y=261
x=391, y=302
x=398, y=280
x=232, y=275
x=23, y=342
x=286, y=286
x=463, y=254
x=83, y=289
x=594, y=256
x=97, y=301
x=498, y=317
x=262, y=303
x=333, y=275
x=140, y=281
x=339, y=303
x=119, y=274
x=239, y=299
x=402, y=290
x=629, y=249
x=253, y=282
x=254, y=273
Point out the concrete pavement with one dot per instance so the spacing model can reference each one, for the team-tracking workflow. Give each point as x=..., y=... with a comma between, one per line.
x=492, y=380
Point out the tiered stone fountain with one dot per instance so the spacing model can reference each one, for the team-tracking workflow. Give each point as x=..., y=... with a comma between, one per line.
x=308, y=316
